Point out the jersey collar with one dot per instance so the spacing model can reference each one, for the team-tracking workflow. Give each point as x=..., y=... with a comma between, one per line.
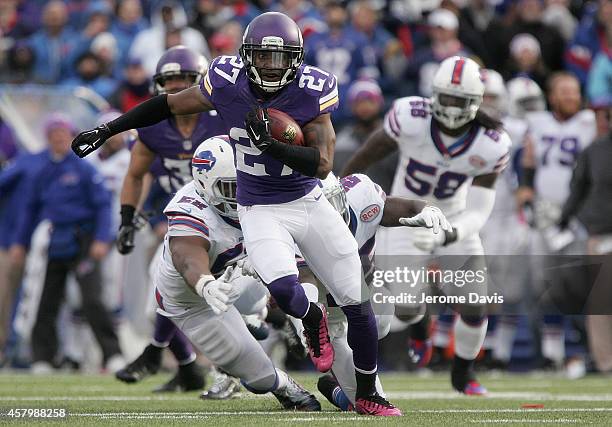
x=457, y=148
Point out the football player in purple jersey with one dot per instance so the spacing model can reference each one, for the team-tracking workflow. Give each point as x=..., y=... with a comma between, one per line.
x=173, y=142
x=280, y=203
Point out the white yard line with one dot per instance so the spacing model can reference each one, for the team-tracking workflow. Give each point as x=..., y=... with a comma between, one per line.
x=421, y=395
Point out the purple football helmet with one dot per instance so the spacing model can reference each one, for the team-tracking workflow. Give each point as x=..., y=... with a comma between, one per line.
x=272, y=50
x=179, y=60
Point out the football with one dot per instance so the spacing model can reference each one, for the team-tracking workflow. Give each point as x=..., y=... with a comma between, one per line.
x=284, y=129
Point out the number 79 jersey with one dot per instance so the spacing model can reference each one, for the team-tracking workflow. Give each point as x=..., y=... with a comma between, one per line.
x=434, y=166
x=557, y=146
x=262, y=179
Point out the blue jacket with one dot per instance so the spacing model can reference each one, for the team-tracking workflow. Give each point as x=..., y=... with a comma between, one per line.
x=12, y=179
x=53, y=56
x=71, y=194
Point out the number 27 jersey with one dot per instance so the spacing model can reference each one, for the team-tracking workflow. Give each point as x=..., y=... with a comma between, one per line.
x=434, y=166
x=262, y=179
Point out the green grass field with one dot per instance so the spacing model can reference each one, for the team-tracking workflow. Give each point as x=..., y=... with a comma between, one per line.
x=101, y=400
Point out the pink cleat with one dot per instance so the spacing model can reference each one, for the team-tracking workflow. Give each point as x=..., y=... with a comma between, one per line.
x=474, y=388
x=319, y=346
x=377, y=406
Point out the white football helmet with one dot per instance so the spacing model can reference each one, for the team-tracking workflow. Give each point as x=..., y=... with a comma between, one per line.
x=457, y=91
x=495, y=90
x=214, y=175
x=333, y=190
x=525, y=95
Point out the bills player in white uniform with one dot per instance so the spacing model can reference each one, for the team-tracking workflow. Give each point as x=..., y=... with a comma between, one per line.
x=451, y=155
x=555, y=139
x=364, y=207
x=198, y=283
x=510, y=104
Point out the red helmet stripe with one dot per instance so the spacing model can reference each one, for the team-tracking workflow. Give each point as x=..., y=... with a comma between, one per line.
x=457, y=71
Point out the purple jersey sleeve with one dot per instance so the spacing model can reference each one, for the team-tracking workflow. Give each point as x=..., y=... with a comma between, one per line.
x=217, y=85
x=322, y=88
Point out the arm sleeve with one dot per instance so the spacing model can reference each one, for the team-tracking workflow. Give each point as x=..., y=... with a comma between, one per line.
x=479, y=204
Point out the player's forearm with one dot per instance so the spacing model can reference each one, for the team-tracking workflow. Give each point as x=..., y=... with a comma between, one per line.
x=305, y=160
x=130, y=196
x=398, y=207
x=479, y=205
x=190, y=262
x=148, y=113
x=377, y=147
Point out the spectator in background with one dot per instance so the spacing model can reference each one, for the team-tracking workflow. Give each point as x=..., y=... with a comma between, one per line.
x=556, y=14
x=8, y=182
x=443, y=28
x=528, y=19
x=526, y=60
x=89, y=70
x=104, y=46
x=126, y=26
x=594, y=35
x=168, y=24
x=227, y=40
x=209, y=17
x=339, y=50
x=133, y=89
x=590, y=200
x=18, y=19
x=70, y=193
x=19, y=64
x=304, y=13
x=382, y=48
x=53, y=45
x=599, y=90
x=472, y=37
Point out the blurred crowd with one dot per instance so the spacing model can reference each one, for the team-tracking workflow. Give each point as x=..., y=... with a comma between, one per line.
x=112, y=46
x=379, y=50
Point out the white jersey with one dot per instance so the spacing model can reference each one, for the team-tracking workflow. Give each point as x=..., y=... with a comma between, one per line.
x=113, y=169
x=557, y=146
x=188, y=215
x=366, y=202
x=437, y=167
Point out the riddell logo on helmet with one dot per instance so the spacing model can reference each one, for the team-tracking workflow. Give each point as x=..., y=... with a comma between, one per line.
x=369, y=213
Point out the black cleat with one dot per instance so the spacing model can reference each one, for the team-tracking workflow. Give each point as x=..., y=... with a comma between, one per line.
x=224, y=387
x=464, y=380
x=295, y=397
x=146, y=364
x=188, y=378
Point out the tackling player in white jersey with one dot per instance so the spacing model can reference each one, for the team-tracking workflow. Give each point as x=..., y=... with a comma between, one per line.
x=554, y=141
x=365, y=207
x=197, y=281
x=451, y=155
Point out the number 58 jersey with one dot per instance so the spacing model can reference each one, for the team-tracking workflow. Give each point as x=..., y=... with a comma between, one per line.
x=437, y=167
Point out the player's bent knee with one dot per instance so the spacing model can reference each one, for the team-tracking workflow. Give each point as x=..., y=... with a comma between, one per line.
x=383, y=323
x=289, y=295
x=262, y=385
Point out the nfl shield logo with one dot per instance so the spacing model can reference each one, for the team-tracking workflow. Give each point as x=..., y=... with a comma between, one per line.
x=187, y=145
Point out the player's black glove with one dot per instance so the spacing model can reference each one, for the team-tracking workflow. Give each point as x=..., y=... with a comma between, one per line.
x=258, y=128
x=125, y=239
x=89, y=141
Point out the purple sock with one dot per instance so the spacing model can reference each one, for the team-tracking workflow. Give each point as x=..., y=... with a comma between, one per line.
x=164, y=331
x=289, y=296
x=362, y=335
x=181, y=348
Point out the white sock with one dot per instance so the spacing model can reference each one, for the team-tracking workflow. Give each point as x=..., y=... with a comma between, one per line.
x=283, y=379
x=440, y=337
x=504, y=340
x=553, y=344
x=469, y=339
x=311, y=291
